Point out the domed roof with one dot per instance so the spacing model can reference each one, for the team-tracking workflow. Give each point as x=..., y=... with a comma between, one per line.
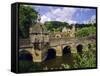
x=39, y=28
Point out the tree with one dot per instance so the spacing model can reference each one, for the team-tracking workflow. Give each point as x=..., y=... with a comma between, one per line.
x=27, y=17
x=57, y=25
x=86, y=31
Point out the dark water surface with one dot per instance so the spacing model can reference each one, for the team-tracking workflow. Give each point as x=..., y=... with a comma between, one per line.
x=51, y=62
x=56, y=62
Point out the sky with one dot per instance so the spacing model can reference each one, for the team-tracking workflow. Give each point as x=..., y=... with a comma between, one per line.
x=70, y=15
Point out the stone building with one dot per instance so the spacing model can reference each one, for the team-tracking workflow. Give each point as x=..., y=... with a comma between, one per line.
x=39, y=38
x=69, y=32
x=64, y=29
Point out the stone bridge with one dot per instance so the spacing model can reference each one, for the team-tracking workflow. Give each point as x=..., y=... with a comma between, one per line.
x=59, y=45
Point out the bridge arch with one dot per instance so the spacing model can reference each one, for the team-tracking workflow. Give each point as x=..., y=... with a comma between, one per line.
x=79, y=48
x=89, y=45
x=66, y=49
x=51, y=53
x=25, y=55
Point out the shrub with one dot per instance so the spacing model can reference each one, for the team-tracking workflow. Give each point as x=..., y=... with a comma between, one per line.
x=86, y=60
x=86, y=31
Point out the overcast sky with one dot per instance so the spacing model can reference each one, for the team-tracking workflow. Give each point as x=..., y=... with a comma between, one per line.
x=66, y=14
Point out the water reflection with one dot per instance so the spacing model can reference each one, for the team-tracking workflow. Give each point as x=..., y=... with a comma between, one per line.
x=56, y=62
x=52, y=61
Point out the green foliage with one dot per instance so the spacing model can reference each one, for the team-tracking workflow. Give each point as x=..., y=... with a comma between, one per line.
x=55, y=25
x=86, y=31
x=28, y=66
x=65, y=66
x=86, y=60
x=27, y=17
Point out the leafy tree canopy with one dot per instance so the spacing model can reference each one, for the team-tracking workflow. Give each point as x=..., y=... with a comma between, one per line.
x=27, y=17
x=55, y=25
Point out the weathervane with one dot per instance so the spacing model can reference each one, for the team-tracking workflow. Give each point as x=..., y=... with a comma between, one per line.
x=39, y=17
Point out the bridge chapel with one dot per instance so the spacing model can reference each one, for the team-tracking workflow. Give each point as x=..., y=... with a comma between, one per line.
x=40, y=41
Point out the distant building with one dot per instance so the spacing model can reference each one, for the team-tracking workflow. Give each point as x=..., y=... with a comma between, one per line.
x=69, y=32
x=64, y=29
